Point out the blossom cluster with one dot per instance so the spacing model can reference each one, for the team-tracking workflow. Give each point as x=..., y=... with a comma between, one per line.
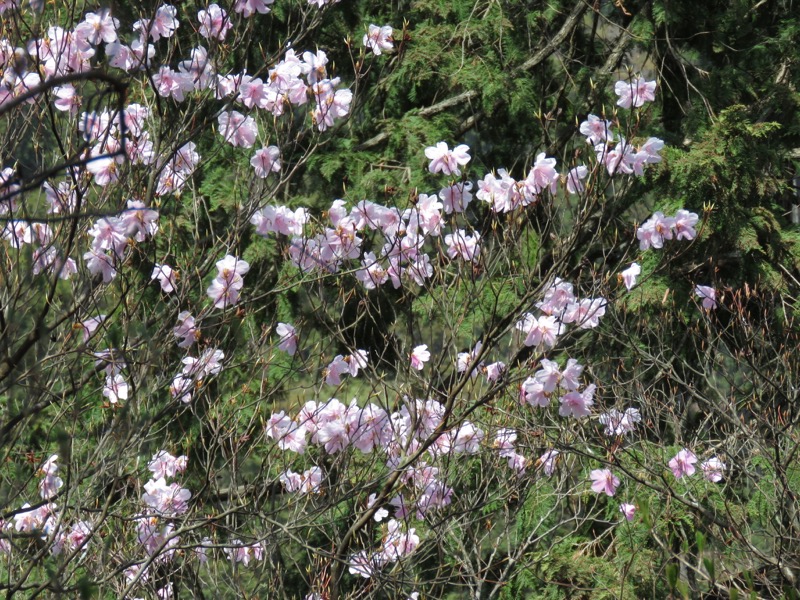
x=155, y=530
x=345, y=365
x=550, y=380
x=239, y=552
x=504, y=444
x=118, y=137
x=397, y=543
x=504, y=194
x=45, y=518
x=683, y=465
x=401, y=258
x=195, y=371
x=335, y=427
x=658, y=228
x=560, y=307
x=620, y=422
x=226, y=286
x=111, y=236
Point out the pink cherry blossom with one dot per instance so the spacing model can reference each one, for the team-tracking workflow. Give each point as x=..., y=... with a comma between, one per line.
x=116, y=389
x=364, y=565
x=503, y=193
x=165, y=276
x=419, y=356
x=97, y=27
x=105, y=170
x=372, y=273
x=381, y=513
x=462, y=245
x=186, y=330
x=504, y=441
x=154, y=538
x=620, y=423
x=315, y=66
x=495, y=371
x=34, y=519
x=683, y=463
x=279, y=219
x=428, y=214
x=542, y=176
x=266, y=160
x=237, y=129
x=713, y=469
x=308, y=482
x=628, y=510
x=398, y=543
x=635, y=93
x=547, y=461
x=570, y=375
x=214, y=22
x=67, y=98
x=225, y=288
x=557, y=297
x=379, y=39
x=163, y=464
x=576, y=404
x=288, y=434
x=209, y=363
x=540, y=331
x=532, y=391
x=618, y=159
x=100, y=263
x=446, y=161
x=288, y=338
x=163, y=25
x=655, y=231
x=172, y=84
x=456, y=198
x=250, y=7
x=169, y=499
x=647, y=154
x=630, y=274
x=708, y=296
x=549, y=375
x=89, y=326
x=585, y=313
x=50, y=483
x=604, y=481
x=241, y=553
x=334, y=371
x=685, y=222
x=331, y=105
x=465, y=361
x=466, y=439
x=575, y=179
x=596, y=130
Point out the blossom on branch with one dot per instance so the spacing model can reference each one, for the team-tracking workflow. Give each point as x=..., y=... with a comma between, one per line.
x=249, y=7
x=379, y=39
x=237, y=129
x=635, y=93
x=446, y=161
x=627, y=510
x=630, y=274
x=713, y=469
x=604, y=481
x=214, y=22
x=683, y=463
x=708, y=295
